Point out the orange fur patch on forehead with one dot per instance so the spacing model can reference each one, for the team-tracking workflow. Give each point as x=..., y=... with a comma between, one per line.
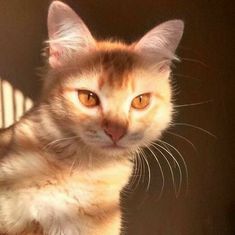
x=117, y=62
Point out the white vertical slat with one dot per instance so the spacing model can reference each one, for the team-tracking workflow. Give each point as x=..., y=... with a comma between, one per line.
x=1, y=120
x=19, y=99
x=8, y=103
x=8, y=109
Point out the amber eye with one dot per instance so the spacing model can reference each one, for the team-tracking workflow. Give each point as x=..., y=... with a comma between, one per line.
x=88, y=98
x=141, y=101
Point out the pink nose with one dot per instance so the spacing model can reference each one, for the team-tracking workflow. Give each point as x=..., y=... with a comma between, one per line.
x=115, y=130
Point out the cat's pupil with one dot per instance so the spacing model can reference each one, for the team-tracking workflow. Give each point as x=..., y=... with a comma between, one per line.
x=89, y=96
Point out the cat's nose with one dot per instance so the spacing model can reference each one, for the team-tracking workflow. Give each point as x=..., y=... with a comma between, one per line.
x=115, y=129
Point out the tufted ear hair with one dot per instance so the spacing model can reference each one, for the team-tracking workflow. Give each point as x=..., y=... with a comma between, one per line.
x=160, y=43
x=67, y=34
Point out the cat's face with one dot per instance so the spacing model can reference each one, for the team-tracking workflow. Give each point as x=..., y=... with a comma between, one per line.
x=115, y=97
x=118, y=103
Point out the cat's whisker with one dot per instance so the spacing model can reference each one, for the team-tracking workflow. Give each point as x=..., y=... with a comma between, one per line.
x=135, y=174
x=185, y=76
x=193, y=104
x=182, y=158
x=59, y=140
x=140, y=168
x=142, y=165
x=161, y=170
x=175, y=162
x=148, y=168
x=183, y=138
x=196, y=127
x=170, y=167
x=194, y=61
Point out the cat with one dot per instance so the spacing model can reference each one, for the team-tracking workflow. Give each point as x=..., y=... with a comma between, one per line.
x=65, y=163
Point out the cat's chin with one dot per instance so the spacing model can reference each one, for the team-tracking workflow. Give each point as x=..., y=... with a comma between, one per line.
x=114, y=148
x=110, y=149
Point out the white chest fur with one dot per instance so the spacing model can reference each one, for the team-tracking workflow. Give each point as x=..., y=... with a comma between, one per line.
x=67, y=204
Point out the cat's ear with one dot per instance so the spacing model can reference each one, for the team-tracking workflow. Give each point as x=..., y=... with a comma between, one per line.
x=67, y=34
x=161, y=42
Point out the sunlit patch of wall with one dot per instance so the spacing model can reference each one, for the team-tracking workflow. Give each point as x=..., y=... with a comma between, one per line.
x=13, y=104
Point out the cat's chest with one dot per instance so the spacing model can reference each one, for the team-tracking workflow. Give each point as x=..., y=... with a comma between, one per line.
x=65, y=195
x=74, y=196
x=35, y=191
x=76, y=192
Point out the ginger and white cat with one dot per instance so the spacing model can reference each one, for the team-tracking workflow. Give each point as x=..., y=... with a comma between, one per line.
x=64, y=164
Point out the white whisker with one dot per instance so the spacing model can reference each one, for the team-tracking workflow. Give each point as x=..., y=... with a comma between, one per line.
x=184, y=138
x=182, y=158
x=196, y=127
x=148, y=167
x=195, y=61
x=193, y=104
x=142, y=165
x=170, y=167
x=59, y=140
x=185, y=76
x=135, y=174
x=161, y=170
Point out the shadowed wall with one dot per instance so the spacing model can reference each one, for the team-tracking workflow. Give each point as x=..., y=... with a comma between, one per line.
x=205, y=74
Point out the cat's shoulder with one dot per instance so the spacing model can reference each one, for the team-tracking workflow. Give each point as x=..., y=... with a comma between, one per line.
x=6, y=137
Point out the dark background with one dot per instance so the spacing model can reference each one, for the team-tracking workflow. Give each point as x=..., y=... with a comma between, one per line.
x=204, y=74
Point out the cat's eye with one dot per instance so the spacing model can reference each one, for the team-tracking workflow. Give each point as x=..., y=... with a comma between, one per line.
x=141, y=101
x=88, y=98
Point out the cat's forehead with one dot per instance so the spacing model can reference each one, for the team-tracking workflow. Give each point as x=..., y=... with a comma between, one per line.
x=116, y=67
x=110, y=66
x=114, y=61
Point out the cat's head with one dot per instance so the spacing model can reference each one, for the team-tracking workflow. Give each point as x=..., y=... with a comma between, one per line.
x=115, y=97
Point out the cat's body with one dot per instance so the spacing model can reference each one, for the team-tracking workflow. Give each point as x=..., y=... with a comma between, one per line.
x=65, y=163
